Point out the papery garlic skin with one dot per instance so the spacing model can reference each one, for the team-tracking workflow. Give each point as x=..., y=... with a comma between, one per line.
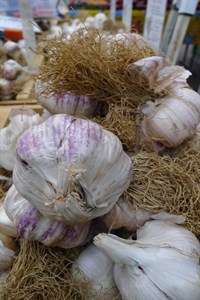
x=6, y=225
x=163, y=263
x=32, y=225
x=122, y=215
x=66, y=103
x=10, y=69
x=94, y=266
x=20, y=120
x=172, y=120
x=70, y=169
x=3, y=275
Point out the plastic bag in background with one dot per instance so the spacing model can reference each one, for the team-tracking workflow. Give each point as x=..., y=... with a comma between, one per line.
x=40, y=8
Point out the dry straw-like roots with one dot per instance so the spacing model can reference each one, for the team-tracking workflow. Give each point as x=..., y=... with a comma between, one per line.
x=163, y=184
x=93, y=63
x=42, y=273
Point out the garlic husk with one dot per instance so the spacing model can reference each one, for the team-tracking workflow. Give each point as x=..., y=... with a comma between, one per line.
x=20, y=120
x=152, y=269
x=6, y=225
x=122, y=215
x=67, y=103
x=172, y=120
x=32, y=225
x=10, y=69
x=70, y=169
x=157, y=74
x=94, y=266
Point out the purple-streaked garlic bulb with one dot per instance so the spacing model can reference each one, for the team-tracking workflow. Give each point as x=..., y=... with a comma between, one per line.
x=20, y=120
x=11, y=69
x=7, y=252
x=32, y=225
x=173, y=119
x=67, y=103
x=71, y=169
x=122, y=215
x=156, y=73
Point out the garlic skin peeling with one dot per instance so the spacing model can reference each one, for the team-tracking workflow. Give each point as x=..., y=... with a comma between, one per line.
x=20, y=120
x=70, y=169
x=32, y=225
x=66, y=103
x=163, y=263
x=94, y=266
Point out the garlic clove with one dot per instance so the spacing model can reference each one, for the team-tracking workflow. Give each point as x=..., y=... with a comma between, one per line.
x=6, y=225
x=94, y=266
x=70, y=169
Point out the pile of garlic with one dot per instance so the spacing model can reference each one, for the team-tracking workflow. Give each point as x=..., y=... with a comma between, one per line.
x=13, y=70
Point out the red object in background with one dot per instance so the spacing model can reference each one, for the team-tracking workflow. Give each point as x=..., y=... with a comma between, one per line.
x=13, y=34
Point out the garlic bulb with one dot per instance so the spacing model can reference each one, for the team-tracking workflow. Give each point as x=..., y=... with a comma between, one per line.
x=94, y=266
x=67, y=103
x=20, y=120
x=157, y=73
x=173, y=119
x=163, y=263
x=12, y=49
x=99, y=19
x=122, y=215
x=70, y=169
x=32, y=225
x=130, y=38
x=6, y=90
x=6, y=225
x=10, y=69
x=6, y=252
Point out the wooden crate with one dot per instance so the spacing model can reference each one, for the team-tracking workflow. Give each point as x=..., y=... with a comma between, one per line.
x=6, y=109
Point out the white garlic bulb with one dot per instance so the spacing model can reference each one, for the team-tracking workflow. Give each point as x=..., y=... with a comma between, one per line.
x=122, y=215
x=32, y=225
x=10, y=69
x=20, y=120
x=99, y=19
x=94, y=266
x=70, y=169
x=66, y=103
x=6, y=225
x=163, y=263
x=173, y=119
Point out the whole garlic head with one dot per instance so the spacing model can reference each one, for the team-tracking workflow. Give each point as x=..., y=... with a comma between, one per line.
x=10, y=69
x=163, y=263
x=32, y=225
x=20, y=120
x=70, y=169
